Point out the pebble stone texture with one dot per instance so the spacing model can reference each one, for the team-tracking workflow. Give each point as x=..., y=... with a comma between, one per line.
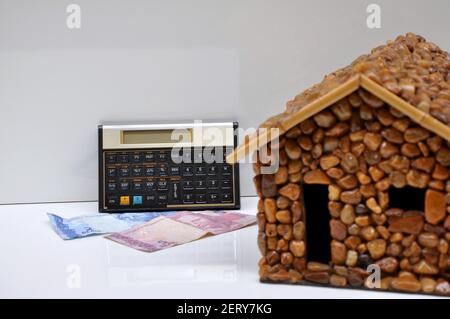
x=416, y=70
x=360, y=148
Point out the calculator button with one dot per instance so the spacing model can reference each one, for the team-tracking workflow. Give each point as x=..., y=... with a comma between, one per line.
x=124, y=172
x=198, y=156
x=188, y=185
x=112, y=187
x=123, y=158
x=174, y=171
x=137, y=171
x=162, y=185
x=200, y=170
x=150, y=186
x=200, y=184
x=150, y=199
x=175, y=191
x=213, y=184
x=124, y=185
x=149, y=171
x=149, y=157
x=212, y=170
x=110, y=158
x=187, y=157
x=111, y=172
x=226, y=198
x=176, y=158
x=200, y=198
x=226, y=169
x=163, y=157
x=188, y=198
x=137, y=185
x=136, y=158
x=124, y=200
x=213, y=197
x=137, y=200
x=209, y=154
x=162, y=170
x=187, y=171
x=226, y=184
x=162, y=199
x=113, y=200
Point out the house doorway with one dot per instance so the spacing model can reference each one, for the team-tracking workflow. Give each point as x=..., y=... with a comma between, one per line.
x=317, y=220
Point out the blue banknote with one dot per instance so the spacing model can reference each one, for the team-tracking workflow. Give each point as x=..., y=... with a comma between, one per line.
x=83, y=226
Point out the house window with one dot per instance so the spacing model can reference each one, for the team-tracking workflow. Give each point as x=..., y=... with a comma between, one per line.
x=317, y=220
x=407, y=198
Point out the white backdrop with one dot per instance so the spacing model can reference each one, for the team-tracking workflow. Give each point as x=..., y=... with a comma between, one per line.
x=172, y=60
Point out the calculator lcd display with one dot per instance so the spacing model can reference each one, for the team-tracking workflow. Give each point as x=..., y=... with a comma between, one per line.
x=154, y=136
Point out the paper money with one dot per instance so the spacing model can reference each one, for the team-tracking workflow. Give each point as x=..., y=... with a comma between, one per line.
x=214, y=222
x=180, y=228
x=83, y=226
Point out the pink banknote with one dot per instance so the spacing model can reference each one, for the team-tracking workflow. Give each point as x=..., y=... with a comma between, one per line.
x=214, y=222
x=183, y=227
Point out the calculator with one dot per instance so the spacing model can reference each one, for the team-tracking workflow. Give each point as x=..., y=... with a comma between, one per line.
x=160, y=167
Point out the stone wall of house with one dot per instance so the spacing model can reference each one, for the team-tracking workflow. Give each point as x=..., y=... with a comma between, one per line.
x=359, y=147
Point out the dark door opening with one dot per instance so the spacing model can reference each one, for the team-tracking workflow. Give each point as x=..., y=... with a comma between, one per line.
x=407, y=198
x=317, y=220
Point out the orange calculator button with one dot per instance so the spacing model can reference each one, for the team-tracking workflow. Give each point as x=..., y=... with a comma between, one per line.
x=124, y=200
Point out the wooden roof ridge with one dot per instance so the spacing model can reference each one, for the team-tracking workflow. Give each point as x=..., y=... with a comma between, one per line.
x=359, y=80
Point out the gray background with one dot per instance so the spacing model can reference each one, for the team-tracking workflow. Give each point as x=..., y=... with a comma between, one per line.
x=154, y=60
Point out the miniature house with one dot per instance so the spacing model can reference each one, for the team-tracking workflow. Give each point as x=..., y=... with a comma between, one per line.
x=363, y=177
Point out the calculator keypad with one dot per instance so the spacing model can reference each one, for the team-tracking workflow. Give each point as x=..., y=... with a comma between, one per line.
x=150, y=179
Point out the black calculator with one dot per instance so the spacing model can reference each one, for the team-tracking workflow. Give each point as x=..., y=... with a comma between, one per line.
x=161, y=167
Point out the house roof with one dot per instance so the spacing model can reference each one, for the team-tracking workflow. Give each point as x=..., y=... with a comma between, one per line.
x=410, y=74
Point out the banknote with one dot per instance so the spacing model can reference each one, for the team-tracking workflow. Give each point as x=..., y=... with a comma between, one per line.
x=83, y=226
x=180, y=228
x=214, y=222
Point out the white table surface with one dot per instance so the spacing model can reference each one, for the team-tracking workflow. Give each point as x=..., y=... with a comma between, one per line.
x=36, y=263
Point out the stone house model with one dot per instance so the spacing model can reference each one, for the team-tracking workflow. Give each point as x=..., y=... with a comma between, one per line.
x=363, y=177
